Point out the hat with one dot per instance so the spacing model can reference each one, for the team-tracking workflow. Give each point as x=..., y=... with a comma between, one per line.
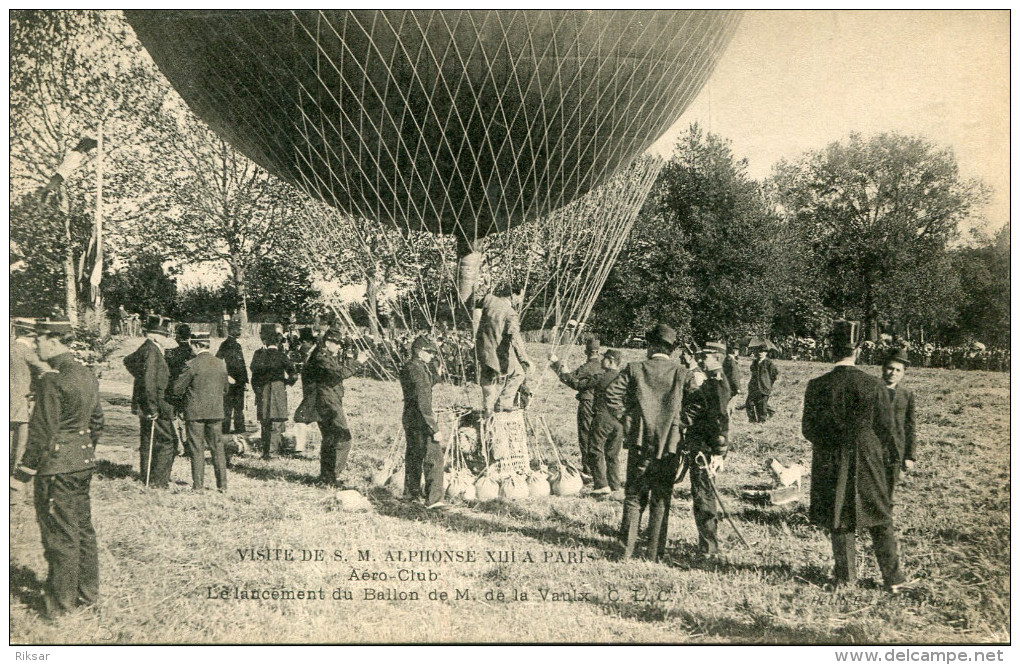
x=200, y=338
x=234, y=327
x=845, y=334
x=613, y=355
x=182, y=332
x=306, y=335
x=53, y=327
x=592, y=345
x=899, y=355
x=334, y=335
x=714, y=347
x=268, y=330
x=422, y=343
x=711, y=363
x=156, y=324
x=661, y=334
x=23, y=326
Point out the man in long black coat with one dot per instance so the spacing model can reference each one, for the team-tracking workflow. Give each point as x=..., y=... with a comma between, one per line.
x=424, y=453
x=149, y=400
x=902, y=400
x=176, y=359
x=62, y=435
x=708, y=434
x=848, y=420
x=231, y=353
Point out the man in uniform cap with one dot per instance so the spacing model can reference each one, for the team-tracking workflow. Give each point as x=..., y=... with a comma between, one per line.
x=582, y=380
x=149, y=400
x=231, y=353
x=424, y=454
x=327, y=371
x=65, y=427
x=25, y=368
x=502, y=357
x=848, y=420
x=650, y=397
x=606, y=430
x=708, y=435
x=199, y=390
x=902, y=400
x=271, y=372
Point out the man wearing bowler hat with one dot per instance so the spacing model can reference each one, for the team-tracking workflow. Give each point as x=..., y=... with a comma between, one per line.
x=149, y=400
x=199, y=390
x=582, y=380
x=231, y=353
x=848, y=420
x=424, y=454
x=65, y=426
x=650, y=397
x=902, y=400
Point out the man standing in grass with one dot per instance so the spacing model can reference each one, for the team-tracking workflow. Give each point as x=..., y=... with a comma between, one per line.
x=176, y=358
x=902, y=400
x=582, y=380
x=231, y=353
x=708, y=435
x=158, y=444
x=424, y=453
x=606, y=430
x=848, y=420
x=200, y=389
x=759, y=387
x=25, y=366
x=271, y=372
x=62, y=435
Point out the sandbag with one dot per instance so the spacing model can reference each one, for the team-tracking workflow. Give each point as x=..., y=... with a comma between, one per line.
x=567, y=483
x=513, y=488
x=538, y=484
x=351, y=501
x=396, y=481
x=486, y=489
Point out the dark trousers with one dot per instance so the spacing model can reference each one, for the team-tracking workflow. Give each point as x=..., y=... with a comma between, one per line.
x=233, y=409
x=272, y=436
x=204, y=434
x=164, y=450
x=424, y=456
x=336, y=446
x=649, y=482
x=758, y=409
x=64, y=511
x=883, y=544
x=585, y=418
x=706, y=510
x=604, y=452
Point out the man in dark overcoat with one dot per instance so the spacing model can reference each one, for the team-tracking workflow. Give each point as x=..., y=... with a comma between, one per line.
x=149, y=400
x=327, y=371
x=606, y=429
x=65, y=426
x=176, y=358
x=199, y=390
x=902, y=400
x=759, y=387
x=499, y=345
x=424, y=453
x=708, y=434
x=232, y=354
x=582, y=380
x=649, y=397
x=848, y=420
x=271, y=372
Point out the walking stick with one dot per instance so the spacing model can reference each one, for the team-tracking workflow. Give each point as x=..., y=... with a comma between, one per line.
x=703, y=464
x=148, y=461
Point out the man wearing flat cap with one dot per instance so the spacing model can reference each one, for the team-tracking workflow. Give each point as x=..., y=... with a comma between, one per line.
x=158, y=444
x=199, y=390
x=62, y=435
x=582, y=380
x=424, y=454
x=25, y=368
x=902, y=400
x=650, y=397
x=848, y=420
x=232, y=354
x=327, y=371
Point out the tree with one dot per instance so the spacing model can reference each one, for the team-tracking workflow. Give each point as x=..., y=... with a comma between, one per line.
x=79, y=75
x=142, y=284
x=984, y=281
x=878, y=215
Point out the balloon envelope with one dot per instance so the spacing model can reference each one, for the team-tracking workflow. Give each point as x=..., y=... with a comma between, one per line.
x=458, y=121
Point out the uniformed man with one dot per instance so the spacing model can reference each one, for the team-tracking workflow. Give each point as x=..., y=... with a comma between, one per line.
x=231, y=353
x=607, y=431
x=759, y=386
x=199, y=390
x=650, y=397
x=582, y=380
x=149, y=400
x=848, y=420
x=502, y=357
x=424, y=453
x=271, y=372
x=328, y=371
x=65, y=426
x=176, y=358
x=25, y=368
x=706, y=442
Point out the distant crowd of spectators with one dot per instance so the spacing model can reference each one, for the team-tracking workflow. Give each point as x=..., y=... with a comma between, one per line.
x=974, y=356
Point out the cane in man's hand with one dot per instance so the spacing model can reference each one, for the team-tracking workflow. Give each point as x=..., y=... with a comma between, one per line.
x=702, y=463
x=148, y=461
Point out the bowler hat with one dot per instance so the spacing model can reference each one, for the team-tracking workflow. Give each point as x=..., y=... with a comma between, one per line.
x=845, y=334
x=334, y=335
x=53, y=327
x=661, y=334
x=268, y=330
x=613, y=355
x=899, y=355
x=23, y=327
x=157, y=324
x=182, y=332
x=422, y=343
x=592, y=345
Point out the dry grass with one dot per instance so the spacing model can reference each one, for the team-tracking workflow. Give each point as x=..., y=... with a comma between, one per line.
x=161, y=551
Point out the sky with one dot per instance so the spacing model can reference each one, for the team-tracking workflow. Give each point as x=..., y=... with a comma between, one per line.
x=795, y=81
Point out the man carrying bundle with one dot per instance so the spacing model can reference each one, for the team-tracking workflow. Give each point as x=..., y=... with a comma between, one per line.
x=199, y=390
x=582, y=380
x=149, y=400
x=424, y=448
x=650, y=397
x=502, y=358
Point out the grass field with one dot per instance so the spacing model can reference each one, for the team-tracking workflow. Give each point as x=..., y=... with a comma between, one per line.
x=167, y=556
